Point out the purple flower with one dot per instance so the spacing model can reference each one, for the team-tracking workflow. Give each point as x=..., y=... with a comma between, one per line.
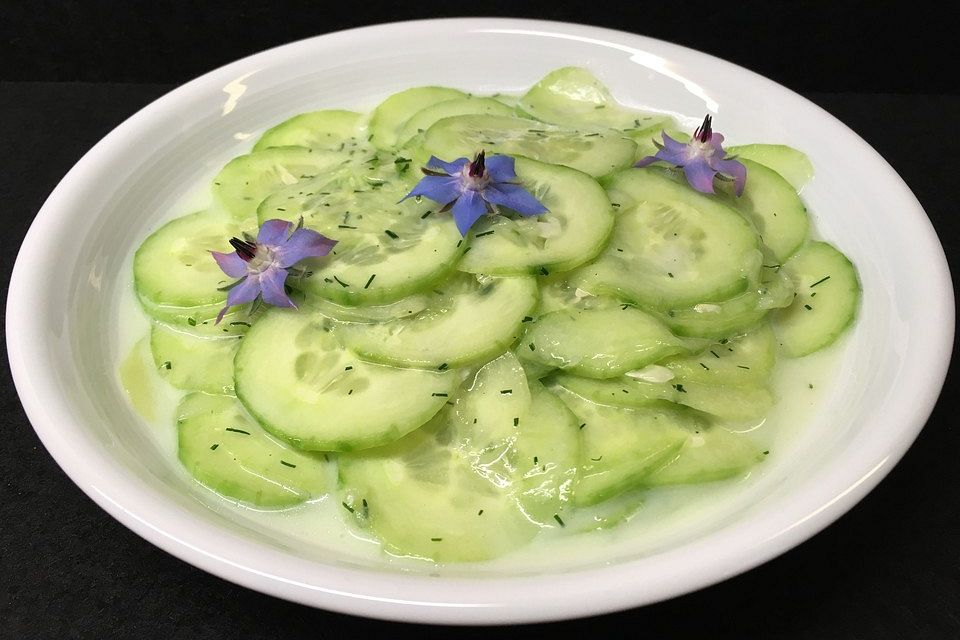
x=472, y=189
x=701, y=159
x=264, y=264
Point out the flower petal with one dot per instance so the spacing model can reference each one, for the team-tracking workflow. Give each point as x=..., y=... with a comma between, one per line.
x=700, y=175
x=674, y=147
x=274, y=232
x=440, y=189
x=501, y=168
x=514, y=197
x=246, y=291
x=230, y=263
x=271, y=285
x=735, y=170
x=304, y=243
x=467, y=210
x=645, y=162
x=452, y=168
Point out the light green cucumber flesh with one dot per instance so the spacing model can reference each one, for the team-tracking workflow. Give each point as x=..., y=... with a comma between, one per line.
x=389, y=116
x=227, y=451
x=424, y=119
x=302, y=385
x=793, y=165
x=331, y=129
x=194, y=362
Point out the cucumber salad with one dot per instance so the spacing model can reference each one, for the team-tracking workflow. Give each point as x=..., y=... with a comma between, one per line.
x=465, y=320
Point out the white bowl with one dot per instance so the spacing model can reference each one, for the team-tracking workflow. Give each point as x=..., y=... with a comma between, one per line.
x=61, y=313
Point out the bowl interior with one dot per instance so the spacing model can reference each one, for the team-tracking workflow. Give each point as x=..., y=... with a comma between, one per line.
x=64, y=310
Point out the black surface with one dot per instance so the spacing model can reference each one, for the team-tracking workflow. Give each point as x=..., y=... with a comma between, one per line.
x=809, y=46
x=888, y=569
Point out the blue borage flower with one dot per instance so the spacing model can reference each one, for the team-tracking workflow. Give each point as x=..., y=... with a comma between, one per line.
x=263, y=264
x=701, y=159
x=473, y=188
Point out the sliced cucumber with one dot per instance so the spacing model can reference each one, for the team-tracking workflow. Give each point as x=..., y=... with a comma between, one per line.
x=573, y=231
x=574, y=97
x=246, y=180
x=331, y=129
x=424, y=119
x=600, y=343
x=712, y=454
x=391, y=114
x=672, y=246
x=738, y=314
x=594, y=152
x=790, y=163
x=470, y=320
x=647, y=138
x=745, y=359
x=828, y=296
x=620, y=447
x=773, y=206
x=228, y=452
x=734, y=403
x=192, y=362
x=387, y=249
x=299, y=382
x=173, y=272
x=486, y=414
x=403, y=308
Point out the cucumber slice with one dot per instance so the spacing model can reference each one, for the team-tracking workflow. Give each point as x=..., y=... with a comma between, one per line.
x=480, y=480
x=331, y=129
x=471, y=320
x=620, y=447
x=405, y=308
x=425, y=118
x=303, y=386
x=173, y=272
x=228, y=452
x=189, y=361
x=745, y=359
x=712, y=454
x=727, y=402
x=672, y=246
x=790, y=163
x=593, y=152
x=386, y=249
x=647, y=138
x=773, y=206
x=574, y=97
x=574, y=230
x=390, y=115
x=246, y=180
x=738, y=314
x=600, y=343
x=547, y=454
x=828, y=296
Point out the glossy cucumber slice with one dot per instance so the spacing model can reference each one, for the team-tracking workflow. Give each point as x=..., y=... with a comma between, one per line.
x=574, y=230
x=736, y=315
x=225, y=450
x=390, y=115
x=246, y=180
x=387, y=249
x=738, y=360
x=600, y=343
x=773, y=206
x=404, y=308
x=595, y=152
x=299, y=382
x=828, y=296
x=424, y=119
x=620, y=447
x=174, y=275
x=574, y=97
x=790, y=163
x=733, y=403
x=330, y=129
x=671, y=246
x=708, y=455
x=470, y=320
x=193, y=362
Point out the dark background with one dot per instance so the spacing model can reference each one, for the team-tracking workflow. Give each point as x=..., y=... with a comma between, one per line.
x=71, y=71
